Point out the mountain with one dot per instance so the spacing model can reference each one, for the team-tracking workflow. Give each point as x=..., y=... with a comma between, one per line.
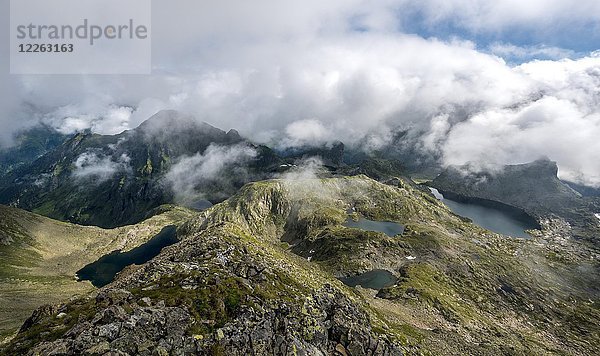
x=39, y=257
x=380, y=169
x=30, y=145
x=407, y=147
x=234, y=286
x=533, y=187
x=332, y=156
x=113, y=180
x=584, y=190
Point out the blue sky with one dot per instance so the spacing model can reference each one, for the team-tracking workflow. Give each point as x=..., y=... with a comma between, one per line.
x=575, y=39
x=550, y=30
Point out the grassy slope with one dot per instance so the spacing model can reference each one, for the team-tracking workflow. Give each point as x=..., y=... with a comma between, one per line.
x=40, y=256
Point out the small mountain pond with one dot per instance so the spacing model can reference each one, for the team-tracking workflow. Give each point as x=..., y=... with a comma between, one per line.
x=375, y=279
x=104, y=270
x=387, y=227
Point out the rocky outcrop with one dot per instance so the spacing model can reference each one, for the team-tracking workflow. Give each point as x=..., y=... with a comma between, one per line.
x=328, y=323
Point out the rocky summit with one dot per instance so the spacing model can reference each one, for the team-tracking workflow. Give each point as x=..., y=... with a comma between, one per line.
x=260, y=274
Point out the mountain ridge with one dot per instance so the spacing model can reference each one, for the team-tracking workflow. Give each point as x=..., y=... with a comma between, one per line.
x=126, y=169
x=73, y=181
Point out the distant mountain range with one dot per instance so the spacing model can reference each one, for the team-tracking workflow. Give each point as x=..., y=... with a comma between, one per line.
x=114, y=180
x=29, y=146
x=117, y=179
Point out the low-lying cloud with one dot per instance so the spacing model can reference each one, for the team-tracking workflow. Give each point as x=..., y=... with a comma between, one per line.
x=98, y=167
x=562, y=124
x=211, y=174
x=302, y=180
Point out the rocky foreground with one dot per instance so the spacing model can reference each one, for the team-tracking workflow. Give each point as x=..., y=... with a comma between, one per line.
x=257, y=274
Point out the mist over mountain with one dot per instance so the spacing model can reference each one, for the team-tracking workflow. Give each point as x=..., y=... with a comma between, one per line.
x=170, y=158
x=28, y=146
x=136, y=171
x=358, y=74
x=341, y=177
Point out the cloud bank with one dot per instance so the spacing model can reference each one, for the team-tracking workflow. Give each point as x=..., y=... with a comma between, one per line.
x=356, y=71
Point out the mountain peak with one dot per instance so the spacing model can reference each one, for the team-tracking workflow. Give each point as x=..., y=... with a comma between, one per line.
x=234, y=135
x=171, y=120
x=543, y=166
x=172, y=125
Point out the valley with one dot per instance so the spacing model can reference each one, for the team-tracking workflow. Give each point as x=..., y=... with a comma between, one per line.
x=39, y=258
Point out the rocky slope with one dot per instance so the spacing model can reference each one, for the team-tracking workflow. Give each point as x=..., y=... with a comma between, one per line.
x=235, y=286
x=39, y=258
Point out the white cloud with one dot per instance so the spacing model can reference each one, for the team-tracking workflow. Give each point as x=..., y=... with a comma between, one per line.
x=302, y=180
x=99, y=167
x=307, y=169
x=439, y=127
x=307, y=132
x=339, y=69
x=530, y=52
x=106, y=120
x=551, y=127
x=189, y=174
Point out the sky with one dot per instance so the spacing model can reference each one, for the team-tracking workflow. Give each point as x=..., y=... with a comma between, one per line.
x=498, y=82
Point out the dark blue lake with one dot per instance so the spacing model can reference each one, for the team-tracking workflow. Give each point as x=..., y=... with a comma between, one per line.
x=103, y=271
x=375, y=279
x=387, y=227
x=505, y=221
